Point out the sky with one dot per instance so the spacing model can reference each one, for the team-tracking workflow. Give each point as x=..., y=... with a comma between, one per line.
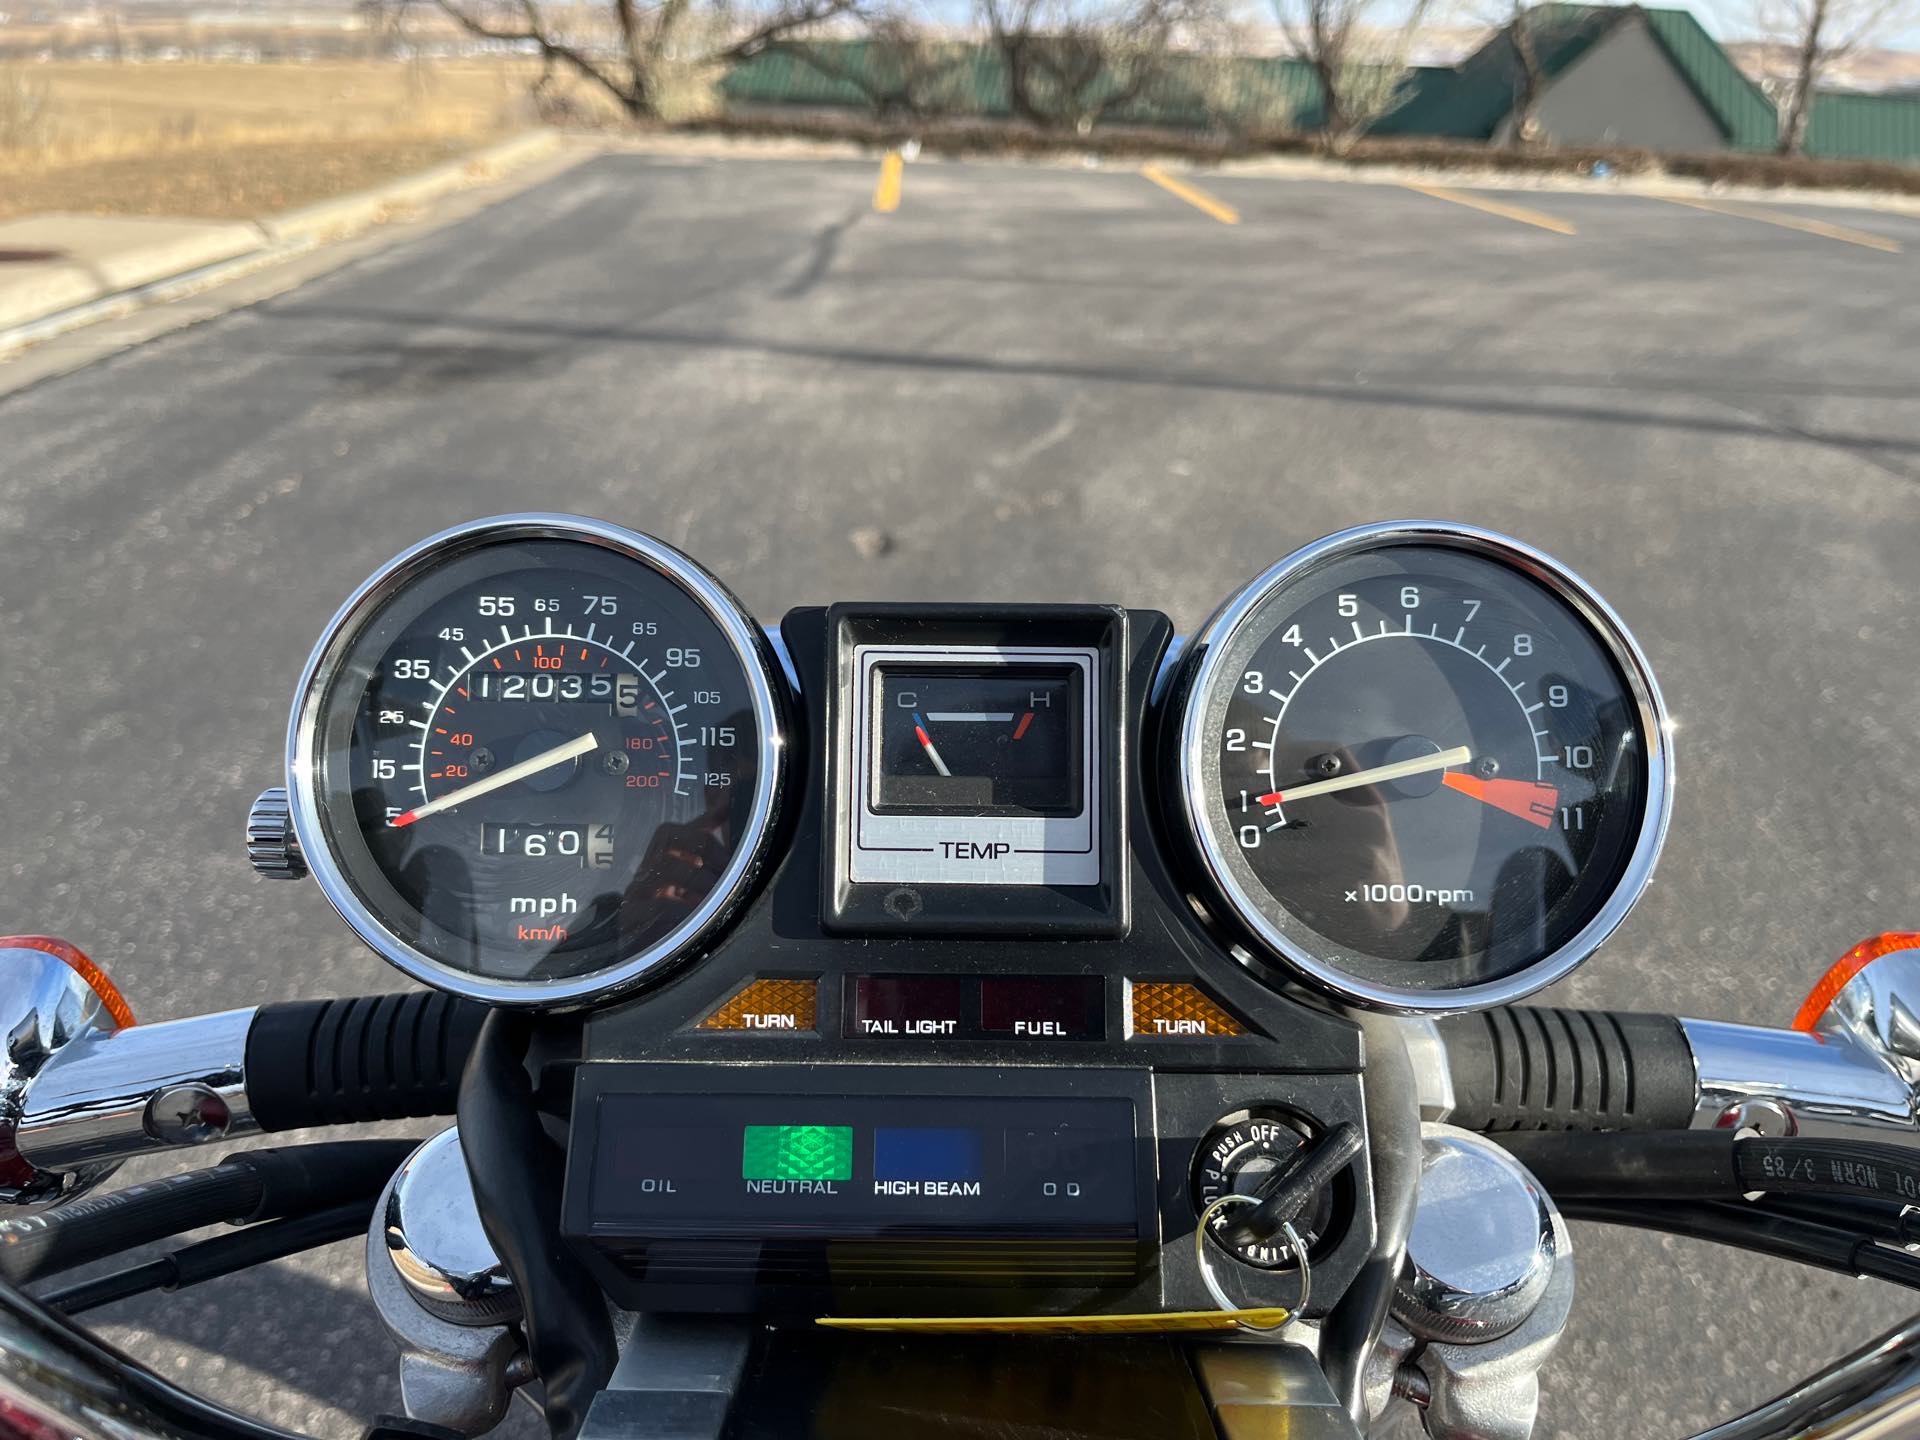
x=1723, y=19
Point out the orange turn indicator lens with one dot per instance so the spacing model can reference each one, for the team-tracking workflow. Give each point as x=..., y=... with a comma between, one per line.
x=768, y=1004
x=1844, y=969
x=1174, y=1008
x=76, y=959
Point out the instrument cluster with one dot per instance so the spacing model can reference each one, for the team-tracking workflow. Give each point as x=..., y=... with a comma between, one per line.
x=548, y=762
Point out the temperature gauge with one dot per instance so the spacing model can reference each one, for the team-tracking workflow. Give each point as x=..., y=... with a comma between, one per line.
x=977, y=741
x=975, y=765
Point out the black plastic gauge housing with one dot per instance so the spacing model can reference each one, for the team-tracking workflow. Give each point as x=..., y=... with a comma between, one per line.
x=792, y=1021
x=990, y=640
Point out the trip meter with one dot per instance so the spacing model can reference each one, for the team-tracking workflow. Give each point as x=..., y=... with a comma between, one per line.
x=535, y=758
x=1427, y=767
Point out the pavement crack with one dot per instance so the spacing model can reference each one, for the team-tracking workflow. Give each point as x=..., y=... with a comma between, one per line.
x=1864, y=450
x=821, y=253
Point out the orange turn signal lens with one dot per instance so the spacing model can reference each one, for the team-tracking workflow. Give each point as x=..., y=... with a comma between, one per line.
x=1844, y=969
x=76, y=959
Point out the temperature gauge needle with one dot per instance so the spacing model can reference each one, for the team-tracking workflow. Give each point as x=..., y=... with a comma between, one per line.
x=926, y=744
x=545, y=760
x=1533, y=803
x=1399, y=770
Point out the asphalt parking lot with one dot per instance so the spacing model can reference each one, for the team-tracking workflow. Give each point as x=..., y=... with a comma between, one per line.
x=1007, y=384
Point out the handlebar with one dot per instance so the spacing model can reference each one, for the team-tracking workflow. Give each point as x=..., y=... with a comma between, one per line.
x=110, y=1095
x=279, y=1067
x=1537, y=1068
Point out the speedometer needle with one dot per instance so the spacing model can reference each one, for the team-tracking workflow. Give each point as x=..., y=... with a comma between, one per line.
x=1399, y=770
x=545, y=760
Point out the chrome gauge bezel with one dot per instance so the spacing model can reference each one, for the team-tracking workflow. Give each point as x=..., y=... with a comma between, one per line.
x=757, y=662
x=1206, y=658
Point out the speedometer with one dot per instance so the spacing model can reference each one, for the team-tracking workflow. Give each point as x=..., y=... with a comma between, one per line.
x=535, y=759
x=1425, y=765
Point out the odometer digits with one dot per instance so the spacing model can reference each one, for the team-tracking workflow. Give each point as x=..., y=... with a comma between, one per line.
x=590, y=846
x=535, y=758
x=621, y=689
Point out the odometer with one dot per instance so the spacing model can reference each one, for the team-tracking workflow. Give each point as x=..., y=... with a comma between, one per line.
x=536, y=758
x=1427, y=767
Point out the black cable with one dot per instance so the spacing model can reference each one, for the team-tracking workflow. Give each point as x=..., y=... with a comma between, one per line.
x=83, y=1378
x=244, y=1187
x=1887, y=1221
x=517, y=1169
x=1804, y=1165
x=98, y=1225
x=1752, y=1227
x=1713, y=1165
x=221, y=1255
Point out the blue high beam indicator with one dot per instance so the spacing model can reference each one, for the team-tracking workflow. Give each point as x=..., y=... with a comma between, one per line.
x=925, y=1153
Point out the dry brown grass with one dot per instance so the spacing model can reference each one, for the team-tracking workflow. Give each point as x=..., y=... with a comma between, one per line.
x=237, y=140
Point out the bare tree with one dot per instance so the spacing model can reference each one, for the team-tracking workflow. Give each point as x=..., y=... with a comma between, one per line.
x=1362, y=69
x=1529, y=81
x=1820, y=34
x=647, y=36
x=904, y=71
x=1073, y=63
x=1237, y=93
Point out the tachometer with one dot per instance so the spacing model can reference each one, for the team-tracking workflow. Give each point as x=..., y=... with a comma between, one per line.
x=535, y=758
x=1426, y=766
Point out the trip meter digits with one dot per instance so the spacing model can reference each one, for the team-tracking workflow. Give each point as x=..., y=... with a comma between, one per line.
x=537, y=757
x=1427, y=766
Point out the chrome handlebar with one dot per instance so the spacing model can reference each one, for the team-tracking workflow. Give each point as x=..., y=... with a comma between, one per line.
x=108, y=1096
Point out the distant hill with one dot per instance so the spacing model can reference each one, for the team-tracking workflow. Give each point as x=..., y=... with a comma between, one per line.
x=1870, y=70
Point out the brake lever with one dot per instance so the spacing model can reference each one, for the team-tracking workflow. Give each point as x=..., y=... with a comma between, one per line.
x=1285, y=1194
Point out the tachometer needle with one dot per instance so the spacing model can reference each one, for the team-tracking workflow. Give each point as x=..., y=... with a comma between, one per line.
x=1399, y=770
x=1533, y=803
x=926, y=743
x=545, y=760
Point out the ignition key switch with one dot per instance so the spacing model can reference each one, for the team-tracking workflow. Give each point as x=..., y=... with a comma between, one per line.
x=1289, y=1169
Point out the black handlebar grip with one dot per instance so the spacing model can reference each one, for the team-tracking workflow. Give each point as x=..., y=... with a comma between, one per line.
x=371, y=1057
x=1525, y=1067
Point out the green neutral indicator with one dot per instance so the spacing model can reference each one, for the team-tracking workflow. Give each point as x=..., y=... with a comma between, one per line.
x=797, y=1152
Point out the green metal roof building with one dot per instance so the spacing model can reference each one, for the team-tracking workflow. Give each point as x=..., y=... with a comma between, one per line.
x=1622, y=75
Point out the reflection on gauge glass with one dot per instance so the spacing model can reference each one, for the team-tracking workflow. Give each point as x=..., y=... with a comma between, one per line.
x=1427, y=766
x=536, y=757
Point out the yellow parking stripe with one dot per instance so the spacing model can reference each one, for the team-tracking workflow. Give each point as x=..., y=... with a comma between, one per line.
x=1199, y=199
x=1494, y=207
x=886, y=194
x=1794, y=222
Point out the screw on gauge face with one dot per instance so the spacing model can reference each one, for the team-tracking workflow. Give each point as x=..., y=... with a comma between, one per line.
x=481, y=759
x=614, y=762
x=1325, y=765
x=1488, y=767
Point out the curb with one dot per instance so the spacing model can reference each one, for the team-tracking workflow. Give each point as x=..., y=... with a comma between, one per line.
x=330, y=219
x=283, y=236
